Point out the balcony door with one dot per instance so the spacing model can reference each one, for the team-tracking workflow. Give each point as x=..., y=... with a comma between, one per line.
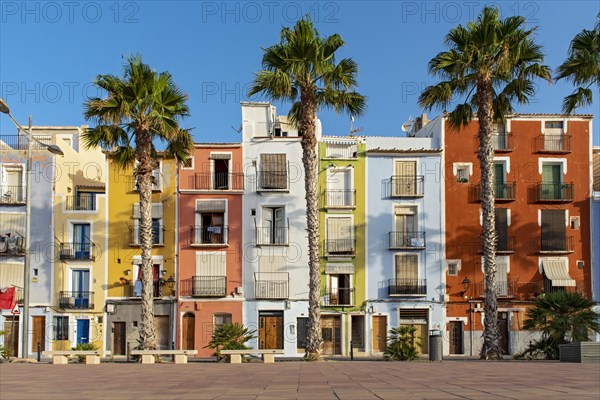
x=405, y=226
x=273, y=225
x=339, y=187
x=499, y=180
x=501, y=215
x=339, y=289
x=551, y=181
x=212, y=228
x=12, y=184
x=405, y=178
x=220, y=174
x=81, y=241
x=554, y=236
x=80, y=284
x=340, y=235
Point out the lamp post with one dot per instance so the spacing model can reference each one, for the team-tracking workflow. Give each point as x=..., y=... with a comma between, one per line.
x=54, y=149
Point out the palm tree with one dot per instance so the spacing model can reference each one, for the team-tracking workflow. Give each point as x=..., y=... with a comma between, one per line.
x=582, y=67
x=140, y=108
x=490, y=63
x=302, y=69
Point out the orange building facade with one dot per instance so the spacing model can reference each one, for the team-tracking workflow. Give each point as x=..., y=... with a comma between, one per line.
x=209, y=283
x=542, y=169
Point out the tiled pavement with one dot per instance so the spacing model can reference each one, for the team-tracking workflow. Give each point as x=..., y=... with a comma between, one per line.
x=464, y=379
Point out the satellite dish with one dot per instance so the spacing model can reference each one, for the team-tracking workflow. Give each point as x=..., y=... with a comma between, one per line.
x=408, y=125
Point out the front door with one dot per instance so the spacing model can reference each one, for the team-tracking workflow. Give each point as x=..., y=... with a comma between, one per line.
x=11, y=335
x=83, y=331
x=38, y=334
x=456, y=333
x=270, y=331
x=187, y=331
x=119, y=338
x=503, y=331
x=332, y=335
x=379, y=333
x=161, y=325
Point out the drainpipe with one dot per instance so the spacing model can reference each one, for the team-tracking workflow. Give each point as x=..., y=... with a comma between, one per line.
x=176, y=269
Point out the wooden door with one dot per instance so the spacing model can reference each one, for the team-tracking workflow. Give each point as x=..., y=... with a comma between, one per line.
x=379, y=333
x=331, y=333
x=422, y=335
x=119, y=338
x=456, y=336
x=271, y=331
x=39, y=334
x=188, y=331
x=11, y=335
x=161, y=325
x=503, y=331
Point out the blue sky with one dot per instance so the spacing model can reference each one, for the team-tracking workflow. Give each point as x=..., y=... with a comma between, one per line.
x=51, y=51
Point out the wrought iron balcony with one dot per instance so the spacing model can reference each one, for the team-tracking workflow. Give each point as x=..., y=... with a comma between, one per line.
x=215, y=181
x=407, y=287
x=405, y=186
x=503, y=192
x=272, y=236
x=81, y=203
x=77, y=251
x=204, y=286
x=557, y=243
x=12, y=244
x=271, y=285
x=552, y=144
x=553, y=192
x=20, y=142
x=406, y=240
x=158, y=235
x=503, y=289
x=76, y=300
x=340, y=247
x=11, y=194
x=339, y=198
x=213, y=235
x=502, y=142
x=338, y=297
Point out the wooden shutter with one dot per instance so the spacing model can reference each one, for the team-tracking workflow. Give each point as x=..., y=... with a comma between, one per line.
x=211, y=263
x=501, y=215
x=553, y=230
x=273, y=171
x=405, y=178
x=407, y=266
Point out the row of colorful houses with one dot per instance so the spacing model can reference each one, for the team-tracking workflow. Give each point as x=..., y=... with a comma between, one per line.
x=399, y=228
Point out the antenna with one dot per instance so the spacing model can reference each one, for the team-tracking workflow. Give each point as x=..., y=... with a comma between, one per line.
x=237, y=130
x=408, y=125
x=353, y=131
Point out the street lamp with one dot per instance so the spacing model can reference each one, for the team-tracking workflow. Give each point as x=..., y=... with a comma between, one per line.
x=54, y=149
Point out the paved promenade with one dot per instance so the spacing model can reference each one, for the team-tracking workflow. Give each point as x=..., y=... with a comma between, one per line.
x=465, y=379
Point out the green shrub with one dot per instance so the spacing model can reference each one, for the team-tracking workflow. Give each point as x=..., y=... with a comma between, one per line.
x=402, y=344
x=230, y=337
x=84, y=347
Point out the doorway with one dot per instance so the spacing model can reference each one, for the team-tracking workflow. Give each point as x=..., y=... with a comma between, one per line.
x=38, y=334
x=358, y=332
x=270, y=331
x=456, y=336
x=187, y=331
x=11, y=334
x=83, y=331
x=331, y=333
x=503, y=331
x=379, y=333
x=161, y=325
x=119, y=338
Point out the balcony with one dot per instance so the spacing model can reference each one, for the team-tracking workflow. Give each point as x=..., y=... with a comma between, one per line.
x=76, y=300
x=557, y=144
x=273, y=180
x=529, y=291
x=204, y=286
x=12, y=195
x=553, y=192
x=81, y=203
x=504, y=289
x=407, y=287
x=158, y=234
x=405, y=186
x=20, y=142
x=505, y=244
x=340, y=247
x=77, y=251
x=338, y=297
x=216, y=181
x=272, y=236
x=271, y=285
x=12, y=244
x=406, y=240
x=339, y=198
x=209, y=236
x=503, y=192
x=556, y=244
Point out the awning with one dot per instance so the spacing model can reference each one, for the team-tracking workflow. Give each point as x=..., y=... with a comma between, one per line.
x=220, y=156
x=339, y=268
x=558, y=272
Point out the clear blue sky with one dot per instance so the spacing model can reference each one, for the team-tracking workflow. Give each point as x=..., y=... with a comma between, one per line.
x=51, y=51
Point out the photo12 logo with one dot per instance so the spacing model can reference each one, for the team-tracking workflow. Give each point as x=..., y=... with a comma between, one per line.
x=460, y=11
x=268, y=11
x=53, y=12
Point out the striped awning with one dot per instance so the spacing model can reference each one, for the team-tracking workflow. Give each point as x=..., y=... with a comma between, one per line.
x=339, y=268
x=558, y=272
x=220, y=156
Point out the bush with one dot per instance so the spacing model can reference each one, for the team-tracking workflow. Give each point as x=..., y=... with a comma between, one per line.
x=84, y=347
x=402, y=344
x=230, y=337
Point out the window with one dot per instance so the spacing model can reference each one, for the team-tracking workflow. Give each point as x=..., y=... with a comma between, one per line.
x=502, y=241
x=462, y=174
x=210, y=263
x=453, y=267
x=339, y=291
x=302, y=332
x=61, y=328
x=12, y=185
x=12, y=240
x=273, y=174
x=405, y=233
x=188, y=164
x=157, y=224
x=554, y=137
x=156, y=178
x=553, y=231
x=340, y=191
x=404, y=181
x=273, y=229
x=81, y=246
x=156, y=275
x=407, y=267
x=554, y=125
x=502, y=267
x=221, y=319
x=339, y=236
x=210, y=222
x=574, y=222
x=552, y=178
x=500, y=187
x=341, y=150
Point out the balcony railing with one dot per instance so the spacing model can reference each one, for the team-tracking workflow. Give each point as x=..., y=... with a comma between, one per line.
x=556, y=244
x=343, y=151
x=10, y=194
x=273, y=180
x=204, y=286
x=406, y=240
x=214, y=235
x=553, y=192
x=340, y=247
x=13, y=245
x=338, y=297
x=19, y=142
x=339, y=198
x=271, y=285
x=271, y=236
x=216, y=181
x=76, y=300
x=77, y=251
x=81, y=203
x=405, y=186
x=503, y=289
x=530, y=291
x=503, y=192
x=158, y=234
x=407, y=287
x=502, y=142
x=552, y=144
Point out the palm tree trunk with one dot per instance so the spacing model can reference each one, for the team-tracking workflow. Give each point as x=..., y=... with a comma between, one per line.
x=490, y=348
x=144, y=179
x=310, y=161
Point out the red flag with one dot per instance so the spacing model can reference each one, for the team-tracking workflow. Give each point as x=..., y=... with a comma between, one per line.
x=7, y=299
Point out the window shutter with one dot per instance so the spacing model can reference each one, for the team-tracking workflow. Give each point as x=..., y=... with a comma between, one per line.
x=211, y=206
x=273, y=171
x=407, y=266
x=136, y=211
x=157, y=211
x=211, y=263
x=271, y=263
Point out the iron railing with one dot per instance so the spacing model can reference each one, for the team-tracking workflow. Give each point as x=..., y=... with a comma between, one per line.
x=271, y=285
x=76, y=300
x=407, y=287
x=562, y=192
x=271, y=235
x=502, y=191
x=204, y=286
x=209, y=235
x=338, y=297
x=552, y=144
x=12, y=194
x=340, y=246
x=502, y=142
x=13, y=245
x=405, y=186
x=556, y=243
x=216, y=181
x=406, y=240
x=503, y=289
x=158, y=235
x=77, y=251
x=339, y=198
x=19, y=142
x=81, y=202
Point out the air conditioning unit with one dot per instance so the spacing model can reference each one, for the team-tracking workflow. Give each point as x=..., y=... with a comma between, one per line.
x=239, y=290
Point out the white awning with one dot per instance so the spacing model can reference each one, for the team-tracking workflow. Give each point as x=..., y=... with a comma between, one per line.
x=558, y=272
x=339, y=268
